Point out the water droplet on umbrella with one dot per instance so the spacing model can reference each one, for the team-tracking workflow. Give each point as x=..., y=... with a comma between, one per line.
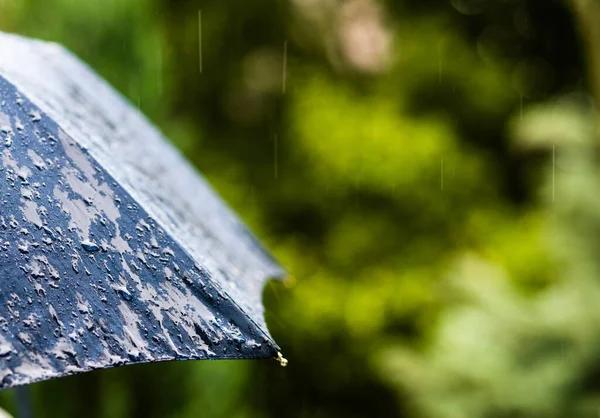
x=35, y=116
x=27, y=194
x=5, y=350
x=89, y=246
x=25, y=338
x=125, y=294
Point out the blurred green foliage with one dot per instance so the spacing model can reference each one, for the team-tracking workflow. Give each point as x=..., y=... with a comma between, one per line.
x=426, y=170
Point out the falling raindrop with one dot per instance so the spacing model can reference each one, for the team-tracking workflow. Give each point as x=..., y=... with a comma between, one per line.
x=200, y=41
x=284, y=79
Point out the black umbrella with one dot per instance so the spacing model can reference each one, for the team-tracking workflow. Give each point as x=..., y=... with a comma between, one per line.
x=113, y=249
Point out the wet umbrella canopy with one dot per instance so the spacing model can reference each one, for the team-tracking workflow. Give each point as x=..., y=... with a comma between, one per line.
x=113, y=250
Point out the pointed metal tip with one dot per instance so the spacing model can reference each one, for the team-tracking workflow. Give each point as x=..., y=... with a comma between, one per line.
x=282, y=360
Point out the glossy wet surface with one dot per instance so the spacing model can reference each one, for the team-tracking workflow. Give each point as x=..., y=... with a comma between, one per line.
x=112, y=249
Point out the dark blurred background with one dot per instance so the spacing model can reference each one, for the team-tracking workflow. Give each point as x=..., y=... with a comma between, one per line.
x=427, y=170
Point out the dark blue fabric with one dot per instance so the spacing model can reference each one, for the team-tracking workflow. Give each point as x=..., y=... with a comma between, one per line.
x=87, y=278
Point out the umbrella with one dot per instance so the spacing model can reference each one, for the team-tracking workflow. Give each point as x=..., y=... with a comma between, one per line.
x=113, y=249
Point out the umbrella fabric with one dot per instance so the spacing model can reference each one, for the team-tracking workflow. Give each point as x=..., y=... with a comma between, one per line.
x=113, y=250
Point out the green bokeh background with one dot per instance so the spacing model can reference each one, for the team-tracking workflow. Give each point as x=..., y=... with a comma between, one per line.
x=427, y=170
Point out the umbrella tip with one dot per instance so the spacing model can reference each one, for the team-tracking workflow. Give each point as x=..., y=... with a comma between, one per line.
x=282, y=360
